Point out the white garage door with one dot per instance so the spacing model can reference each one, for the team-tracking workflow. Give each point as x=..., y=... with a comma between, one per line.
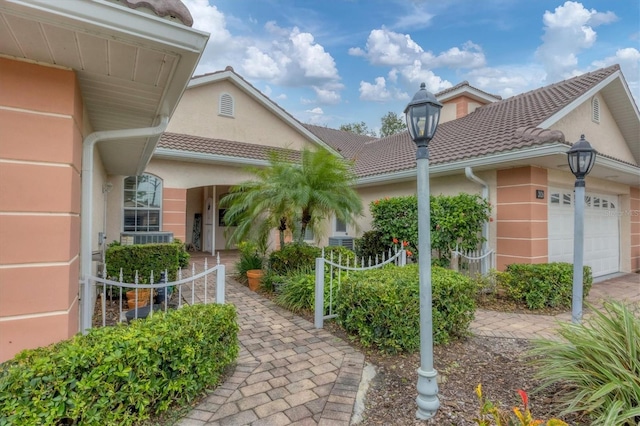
x=601, y=230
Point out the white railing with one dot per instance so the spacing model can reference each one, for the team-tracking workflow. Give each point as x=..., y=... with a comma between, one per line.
x=474, y=262
x=399, y=258
x=195, y=288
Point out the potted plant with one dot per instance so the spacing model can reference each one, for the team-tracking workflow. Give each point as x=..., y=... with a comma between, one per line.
x=250, y=263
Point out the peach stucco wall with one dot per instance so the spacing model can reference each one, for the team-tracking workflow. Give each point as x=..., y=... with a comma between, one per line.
x=40, y=155
x=521, y=217
x=174, y=208
x=634, y=215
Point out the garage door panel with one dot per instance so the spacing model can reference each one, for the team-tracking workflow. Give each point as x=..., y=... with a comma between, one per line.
x=601, y=230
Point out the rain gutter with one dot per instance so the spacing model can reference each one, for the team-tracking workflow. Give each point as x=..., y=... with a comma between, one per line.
x=86, y=231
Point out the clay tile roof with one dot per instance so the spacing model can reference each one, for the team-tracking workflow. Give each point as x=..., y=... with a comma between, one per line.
x=197, y=144
x=506, y=125
x=346, y=143
x=174, y=9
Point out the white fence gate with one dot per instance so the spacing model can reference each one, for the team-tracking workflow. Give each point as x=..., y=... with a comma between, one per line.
x=473, y=263
x=196, y=288
x=399, y=258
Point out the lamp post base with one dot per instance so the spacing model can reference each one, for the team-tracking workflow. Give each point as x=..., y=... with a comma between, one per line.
x=427, y=400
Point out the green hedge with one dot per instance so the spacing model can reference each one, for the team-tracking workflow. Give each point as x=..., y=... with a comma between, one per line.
x=120, y=375
x=543, y=285
x=382, y=306
x=145, y=258
x=293, y=257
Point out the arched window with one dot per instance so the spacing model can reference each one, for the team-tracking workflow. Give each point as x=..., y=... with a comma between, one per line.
x=226, y=105
x=595, y=110
x=142, y=203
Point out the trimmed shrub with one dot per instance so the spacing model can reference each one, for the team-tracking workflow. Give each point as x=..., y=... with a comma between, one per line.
x=543, y=285
x=123, y=374
x=596, y=365
x=372, y=243
x=292, y=258
x=381, y=307
x=298, y=291
x=145, y=258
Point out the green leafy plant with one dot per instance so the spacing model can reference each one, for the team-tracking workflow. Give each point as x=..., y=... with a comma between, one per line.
x=598, y=365
x=372, y=243
x=298, y=293
x=491, y=415
x=381, y=307
x=121, y=375
x=455, y=221
x=145, y=258
x=293, y=257
x=543, y=285
x=251, y=257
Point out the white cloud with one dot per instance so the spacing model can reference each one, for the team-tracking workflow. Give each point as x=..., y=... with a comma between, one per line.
x=507, y=81
x=567, y=32
x=326, y=96
x=415, y=18
x=417, y=73
x=312, y=58
x=386, y=47
x=379, y=92
x=316, y=110
x=470, y=56
x=258, y=64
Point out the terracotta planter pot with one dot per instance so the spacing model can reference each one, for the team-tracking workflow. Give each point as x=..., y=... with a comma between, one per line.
x=141, y=303
x=255, y=278
x=143, y=294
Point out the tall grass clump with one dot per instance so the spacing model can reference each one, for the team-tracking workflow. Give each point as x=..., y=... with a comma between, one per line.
x=597, y=363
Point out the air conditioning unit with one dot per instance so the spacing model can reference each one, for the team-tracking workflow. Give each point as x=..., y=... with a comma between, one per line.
x=341, y=241
x=129, y=238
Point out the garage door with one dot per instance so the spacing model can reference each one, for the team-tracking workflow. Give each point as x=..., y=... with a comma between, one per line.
x=601, y=230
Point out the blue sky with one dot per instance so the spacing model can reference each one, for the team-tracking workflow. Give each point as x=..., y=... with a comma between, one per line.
x=332, y=62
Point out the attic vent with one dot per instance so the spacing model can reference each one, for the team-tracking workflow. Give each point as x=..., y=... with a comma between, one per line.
x=226, y=105
x=595, y=110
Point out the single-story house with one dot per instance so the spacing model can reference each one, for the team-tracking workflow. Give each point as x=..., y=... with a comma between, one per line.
x=106, y=136
x=512, y=151
x=86, y=89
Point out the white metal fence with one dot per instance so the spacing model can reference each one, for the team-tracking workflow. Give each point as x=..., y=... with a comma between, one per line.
x=399, y=258
x=474, y=262
x=191, y=287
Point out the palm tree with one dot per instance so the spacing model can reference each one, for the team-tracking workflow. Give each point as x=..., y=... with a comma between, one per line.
x=286, y=195
x=322, y=186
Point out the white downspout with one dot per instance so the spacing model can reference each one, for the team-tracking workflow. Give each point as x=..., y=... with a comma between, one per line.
x=87, y=205
x=485, y=226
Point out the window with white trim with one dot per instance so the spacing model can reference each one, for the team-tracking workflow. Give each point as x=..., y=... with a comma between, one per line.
x=341, y=226
x=226, y=107
x=142, y=208
x=308, y=234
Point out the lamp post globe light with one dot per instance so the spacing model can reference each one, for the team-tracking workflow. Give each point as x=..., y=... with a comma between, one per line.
x=581, y=159
x=423, y=115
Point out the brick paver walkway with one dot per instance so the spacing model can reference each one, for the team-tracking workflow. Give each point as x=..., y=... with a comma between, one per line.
x=289, y=373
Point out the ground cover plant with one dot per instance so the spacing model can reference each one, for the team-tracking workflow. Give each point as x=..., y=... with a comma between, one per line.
x=122, y=374
x=598, y=365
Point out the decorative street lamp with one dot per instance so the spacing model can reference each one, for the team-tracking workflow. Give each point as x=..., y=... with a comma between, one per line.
x=423, y=115
x=581, y=158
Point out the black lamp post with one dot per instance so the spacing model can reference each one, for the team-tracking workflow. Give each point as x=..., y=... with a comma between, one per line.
x=581, y=159
x=423, y=115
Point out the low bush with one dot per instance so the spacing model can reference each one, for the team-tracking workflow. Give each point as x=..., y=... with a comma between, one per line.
x=298, y=291
x=292, y=258
x=596, y=365
x=543, y=285
x=123, y=374
x=372, y=243
x=381, y=307
x=145, y=258
x=250, y=258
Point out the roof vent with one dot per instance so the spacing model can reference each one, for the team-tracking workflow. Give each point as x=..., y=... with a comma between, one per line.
x=595, y=110
x=226, y=105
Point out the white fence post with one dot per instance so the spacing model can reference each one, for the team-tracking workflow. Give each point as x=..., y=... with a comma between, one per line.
x=319, y=314
x=220, y=284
